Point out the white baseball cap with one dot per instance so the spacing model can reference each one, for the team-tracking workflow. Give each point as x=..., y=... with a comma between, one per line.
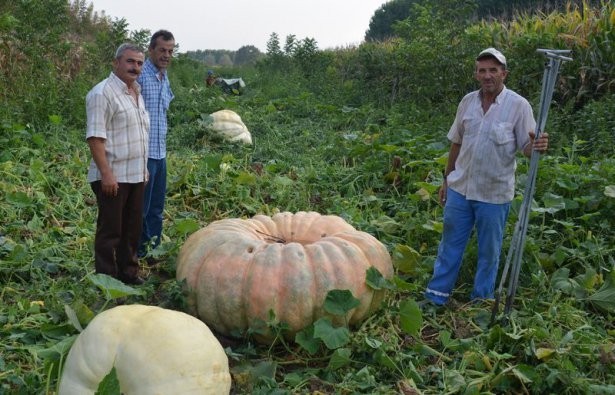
x=492, y=53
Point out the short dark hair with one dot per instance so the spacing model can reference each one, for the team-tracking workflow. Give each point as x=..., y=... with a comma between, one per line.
x=165, y=34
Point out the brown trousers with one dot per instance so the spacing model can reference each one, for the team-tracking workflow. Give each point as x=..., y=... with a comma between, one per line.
x=118, y=230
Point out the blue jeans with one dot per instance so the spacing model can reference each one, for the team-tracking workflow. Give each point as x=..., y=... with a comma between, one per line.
x=153, y=205
x=460, y=217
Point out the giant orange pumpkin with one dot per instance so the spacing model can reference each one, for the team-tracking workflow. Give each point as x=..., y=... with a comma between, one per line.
x=237, y=271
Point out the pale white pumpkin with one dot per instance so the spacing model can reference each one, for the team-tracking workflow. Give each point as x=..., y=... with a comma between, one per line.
x=154, y=351
x=230, y=126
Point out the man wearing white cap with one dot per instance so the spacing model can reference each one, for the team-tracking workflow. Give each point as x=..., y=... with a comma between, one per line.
x=492, y=124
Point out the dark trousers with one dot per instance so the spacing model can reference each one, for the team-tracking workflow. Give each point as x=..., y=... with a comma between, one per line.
x=153, y=205
x=118, y=229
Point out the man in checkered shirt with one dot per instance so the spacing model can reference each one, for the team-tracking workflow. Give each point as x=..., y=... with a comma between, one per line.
x=158, y=95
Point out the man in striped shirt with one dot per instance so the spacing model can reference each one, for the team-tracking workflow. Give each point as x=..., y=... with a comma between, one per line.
x=117, y=134
x=492, y=124
x=157, y=95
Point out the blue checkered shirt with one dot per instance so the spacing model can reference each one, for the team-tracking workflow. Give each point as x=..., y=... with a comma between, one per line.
x=157, y=94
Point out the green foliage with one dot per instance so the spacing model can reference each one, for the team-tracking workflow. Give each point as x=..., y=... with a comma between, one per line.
x=385, y=17
x=245, y=55
x=78, y=46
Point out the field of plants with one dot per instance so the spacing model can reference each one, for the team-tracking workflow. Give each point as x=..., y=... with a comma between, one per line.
x=355, y=132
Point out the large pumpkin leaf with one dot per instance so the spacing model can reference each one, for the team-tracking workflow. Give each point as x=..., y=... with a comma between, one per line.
x=552, y=204
x=375, y=280
x=560, y=280
x=604, y=298
x=305, y=338
x=332, y=337
x=410, y=317
x=55, y=351
x=406, y=258
x=340, y=302
x=113, y=288
x=339, y=359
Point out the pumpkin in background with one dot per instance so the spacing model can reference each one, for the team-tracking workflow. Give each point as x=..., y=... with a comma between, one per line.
x=154, y=351
x=237, y=270
x=230, y=126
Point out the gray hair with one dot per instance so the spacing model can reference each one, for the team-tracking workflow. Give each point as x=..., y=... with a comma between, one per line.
x=127, y=47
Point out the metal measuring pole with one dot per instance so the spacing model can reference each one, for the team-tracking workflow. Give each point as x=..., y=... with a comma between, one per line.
x=515, y=252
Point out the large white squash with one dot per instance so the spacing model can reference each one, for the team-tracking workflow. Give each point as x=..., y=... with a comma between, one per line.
x=154, y=351
x=230, y=126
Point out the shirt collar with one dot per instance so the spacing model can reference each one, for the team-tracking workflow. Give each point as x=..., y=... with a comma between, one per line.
x=150, y=67
x=498, y=98
x=121, y=85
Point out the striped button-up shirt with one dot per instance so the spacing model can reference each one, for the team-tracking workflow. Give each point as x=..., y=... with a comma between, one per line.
x=157, y=93
x=115, y=116
x=485, y=167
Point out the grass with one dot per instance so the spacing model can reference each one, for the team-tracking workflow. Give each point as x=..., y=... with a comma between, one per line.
x=381, y=178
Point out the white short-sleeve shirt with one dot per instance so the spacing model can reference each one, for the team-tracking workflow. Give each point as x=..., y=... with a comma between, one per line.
x=485, y=168
x=114, y=115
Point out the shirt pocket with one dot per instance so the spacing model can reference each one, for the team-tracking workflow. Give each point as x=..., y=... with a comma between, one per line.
x=166, y=97
x=471, y=126
x=502, y=133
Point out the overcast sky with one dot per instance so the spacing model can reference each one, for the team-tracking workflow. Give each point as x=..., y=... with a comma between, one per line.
x=231, y=24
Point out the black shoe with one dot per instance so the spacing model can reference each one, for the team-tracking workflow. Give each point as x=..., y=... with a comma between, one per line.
x=136, y=280
x=151, y=261
x=429, y=306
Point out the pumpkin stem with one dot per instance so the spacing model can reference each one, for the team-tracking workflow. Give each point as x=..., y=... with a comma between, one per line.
x=268, y=237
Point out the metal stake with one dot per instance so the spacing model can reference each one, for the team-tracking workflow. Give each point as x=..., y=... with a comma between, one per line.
x=515, y=252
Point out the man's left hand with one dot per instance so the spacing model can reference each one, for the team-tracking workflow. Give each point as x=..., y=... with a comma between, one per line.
x=541, y=144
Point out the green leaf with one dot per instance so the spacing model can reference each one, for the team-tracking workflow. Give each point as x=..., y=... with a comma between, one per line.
x=55, y=119
x=375, y=280
x=112, y=287
x=604, y=298
x=58, y=349
x=110, y=385
x=332, y=337
x=544, y=353
x=212, y=161
x=384, y=359
x=526, y=373
x=245, y=178
x=588, y=279
x=434, y=225
x=383, y=223
x=553, y=203
x=560, y=280
x=264, y=369
x=305, y=338
x=19, y=199
x=72, y=318
x=186, y=226
x=340, y=302
x=410, y=317
x=373, y=343
x=454, y=381
x=609, y=191
x=567, y=184
x=283, y=181
x=339, y=359
x=406, y=259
